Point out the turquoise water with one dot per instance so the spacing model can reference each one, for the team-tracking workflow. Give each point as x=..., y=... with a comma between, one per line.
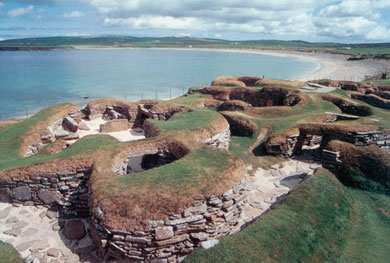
x=32, y=80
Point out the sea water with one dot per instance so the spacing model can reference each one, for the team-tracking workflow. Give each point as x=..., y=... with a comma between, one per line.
x=32, y=80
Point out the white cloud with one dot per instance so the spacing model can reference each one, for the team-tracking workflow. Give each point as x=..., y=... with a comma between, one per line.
x=21, y=11
x=354, y=19
x=1, y=4
x=74, y=14
x=74, y=34
x=307, y=19
x=147, y=22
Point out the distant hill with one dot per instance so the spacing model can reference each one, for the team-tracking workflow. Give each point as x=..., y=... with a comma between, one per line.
x=46, y=43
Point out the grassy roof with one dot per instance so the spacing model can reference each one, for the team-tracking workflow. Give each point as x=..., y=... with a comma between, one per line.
x=320, y=221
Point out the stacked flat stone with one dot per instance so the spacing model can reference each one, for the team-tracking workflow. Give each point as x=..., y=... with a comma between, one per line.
x=69, y=189
x=220, y=140
x=172, y=239
x=380, y=138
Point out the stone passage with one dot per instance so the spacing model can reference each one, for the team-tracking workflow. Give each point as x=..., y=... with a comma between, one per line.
x=170, y=240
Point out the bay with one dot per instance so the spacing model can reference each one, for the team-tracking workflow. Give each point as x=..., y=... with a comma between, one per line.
x=32, y=80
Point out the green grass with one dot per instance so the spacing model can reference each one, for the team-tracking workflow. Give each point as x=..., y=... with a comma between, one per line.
x=382, y=81
x=320, y=221
x=308, y=226
x=187, y=121
x=368, y=240
x=188, y=100
x=146, y=42
x=367, y=168
x=191, y=171
x=8, y=254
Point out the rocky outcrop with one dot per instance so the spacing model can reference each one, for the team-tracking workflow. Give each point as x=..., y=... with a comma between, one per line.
x=172, y=239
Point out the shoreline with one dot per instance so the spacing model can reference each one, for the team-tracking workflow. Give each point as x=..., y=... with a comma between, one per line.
x=330, y=66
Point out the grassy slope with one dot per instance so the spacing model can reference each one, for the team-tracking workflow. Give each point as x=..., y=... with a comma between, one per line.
x=320, y=221
x=8, y=254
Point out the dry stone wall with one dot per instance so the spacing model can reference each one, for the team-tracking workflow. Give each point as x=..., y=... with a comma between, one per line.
x=330, y=160
x=220, y=140
x=170, y=240
x=293, y=143
x=69, y=189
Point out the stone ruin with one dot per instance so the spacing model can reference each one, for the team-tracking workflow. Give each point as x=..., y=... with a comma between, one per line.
x=244, y=98
x=119, y=116
x=371, y=93
x=318, y=135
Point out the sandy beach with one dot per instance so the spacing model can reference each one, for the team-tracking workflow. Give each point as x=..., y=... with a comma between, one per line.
x=335, y=67
x=330, y=66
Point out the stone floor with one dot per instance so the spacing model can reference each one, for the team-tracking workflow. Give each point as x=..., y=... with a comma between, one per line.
x=267, y=187
x=40, y=236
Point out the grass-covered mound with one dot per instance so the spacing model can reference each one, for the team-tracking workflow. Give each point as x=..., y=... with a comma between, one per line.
x=202, y=172
x=130, y=201
x=14, y=139
x=320, y=221
x=8, y=254
x=308, y=226
x=366, y=168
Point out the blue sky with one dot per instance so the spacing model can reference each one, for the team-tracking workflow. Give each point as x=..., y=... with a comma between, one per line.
x=351, y=21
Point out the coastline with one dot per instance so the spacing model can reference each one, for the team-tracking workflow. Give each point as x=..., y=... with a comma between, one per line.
x=330, y=66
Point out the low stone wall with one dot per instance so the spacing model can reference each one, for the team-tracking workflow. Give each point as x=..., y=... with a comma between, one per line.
x=172, y=239
x=69, y=189
x=115, y=126
x=330, y=160
x=294, y=143
x=220, y=140
x=283, y=148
